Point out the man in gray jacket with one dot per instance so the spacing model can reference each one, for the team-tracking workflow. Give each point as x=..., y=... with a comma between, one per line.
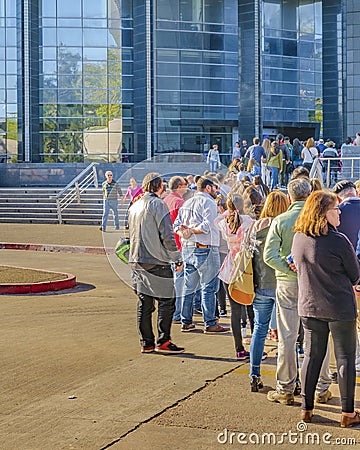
x=152, y=250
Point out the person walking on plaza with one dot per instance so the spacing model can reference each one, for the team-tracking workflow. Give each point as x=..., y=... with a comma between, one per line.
x=110, y=190
x=327, y=269
x=174, y=202
x=276, y=252
x=200, y=248
x=213, y=158
x=152, y=250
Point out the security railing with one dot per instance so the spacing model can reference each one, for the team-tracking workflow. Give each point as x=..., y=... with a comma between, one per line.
x=72, y=192
x=331, y=170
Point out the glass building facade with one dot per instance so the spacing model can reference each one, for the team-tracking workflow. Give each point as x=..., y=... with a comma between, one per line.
x=111, y=80
x=195, y=74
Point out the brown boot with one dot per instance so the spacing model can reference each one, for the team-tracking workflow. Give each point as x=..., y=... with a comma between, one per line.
x=350, y=421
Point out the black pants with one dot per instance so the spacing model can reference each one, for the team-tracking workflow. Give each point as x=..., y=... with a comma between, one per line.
x=146, y=306
x=316, y=334
x=237, y=312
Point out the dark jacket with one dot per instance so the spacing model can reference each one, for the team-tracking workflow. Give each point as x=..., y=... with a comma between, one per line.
x=264, y=275
x=350, y=219
x=327, y=269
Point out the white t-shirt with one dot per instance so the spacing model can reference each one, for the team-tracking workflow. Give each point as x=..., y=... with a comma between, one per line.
x=309, y=155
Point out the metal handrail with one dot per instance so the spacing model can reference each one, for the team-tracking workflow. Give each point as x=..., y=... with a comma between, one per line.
x=320, y=163
x=72, y=191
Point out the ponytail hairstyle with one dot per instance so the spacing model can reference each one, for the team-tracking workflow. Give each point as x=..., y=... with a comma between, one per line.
x=235, y=206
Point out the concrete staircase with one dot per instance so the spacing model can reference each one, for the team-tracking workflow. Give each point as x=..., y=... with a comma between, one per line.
x=38, y=205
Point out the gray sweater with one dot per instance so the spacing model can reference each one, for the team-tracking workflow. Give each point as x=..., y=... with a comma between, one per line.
x=327, y=269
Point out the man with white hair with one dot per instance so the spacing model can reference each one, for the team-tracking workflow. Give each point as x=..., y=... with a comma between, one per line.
x=110, y=190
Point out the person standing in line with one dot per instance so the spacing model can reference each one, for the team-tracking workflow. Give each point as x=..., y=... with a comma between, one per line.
x=309, y=153
x=213, y=158
x=265, y=172
x=236, y=151
x=264, y=284
x=152, y=250
x=132, y=192
x=327, y=269
x=350, y=210
x=295, y=155
x=256, y=153
x=110, y=190
x=275, y=163
x=200, y=241
x=233, y=224
x=276, y=252
x=174, y=201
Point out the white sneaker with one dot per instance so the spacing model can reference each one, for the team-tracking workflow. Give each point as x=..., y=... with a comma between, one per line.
x=243, y=333
x=357, y=367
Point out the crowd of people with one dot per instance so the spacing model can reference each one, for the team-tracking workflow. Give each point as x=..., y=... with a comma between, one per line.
x=275, y=159
x=185, y=236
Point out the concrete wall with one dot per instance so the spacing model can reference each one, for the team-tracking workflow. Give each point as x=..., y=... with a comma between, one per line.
x=51, y=174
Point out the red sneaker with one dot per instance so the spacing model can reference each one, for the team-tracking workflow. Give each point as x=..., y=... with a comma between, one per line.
x=148, y=349
x=169, y=347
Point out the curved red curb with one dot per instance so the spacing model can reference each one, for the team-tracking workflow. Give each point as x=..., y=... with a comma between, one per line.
x=53, y=248
x=44, y=286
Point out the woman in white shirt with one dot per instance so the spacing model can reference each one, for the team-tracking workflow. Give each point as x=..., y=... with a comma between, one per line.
x=309, y=153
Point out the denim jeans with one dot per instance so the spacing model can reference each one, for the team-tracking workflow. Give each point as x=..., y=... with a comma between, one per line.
x=213, y=165
x=179, y=286
x=256, y=170
x=113, y=205
x=197, y=300
x=263, y=307
x=201, y=267
x=316, y=332
x=274, y=176
x=273, y=324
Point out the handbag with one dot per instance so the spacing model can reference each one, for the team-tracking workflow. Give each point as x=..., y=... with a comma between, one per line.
x=241, y=287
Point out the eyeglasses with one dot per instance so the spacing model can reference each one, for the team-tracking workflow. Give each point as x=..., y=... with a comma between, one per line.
x=336, y=208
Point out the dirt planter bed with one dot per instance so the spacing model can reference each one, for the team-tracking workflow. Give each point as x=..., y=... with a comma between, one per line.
x=22, y=280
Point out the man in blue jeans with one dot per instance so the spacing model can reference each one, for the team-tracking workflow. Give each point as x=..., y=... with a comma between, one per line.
x=200, y=249
x=110, y=190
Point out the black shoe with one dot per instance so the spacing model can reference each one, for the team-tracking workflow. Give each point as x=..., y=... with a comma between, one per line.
x=169, y=348
x=297, y=390
x=256, y=384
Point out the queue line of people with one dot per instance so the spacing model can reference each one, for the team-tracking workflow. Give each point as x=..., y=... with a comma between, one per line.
x=185, y=238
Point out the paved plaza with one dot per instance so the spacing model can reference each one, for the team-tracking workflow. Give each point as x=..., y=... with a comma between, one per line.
x=73, y=377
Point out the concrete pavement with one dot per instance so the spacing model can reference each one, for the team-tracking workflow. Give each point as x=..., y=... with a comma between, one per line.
x=83, y=343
